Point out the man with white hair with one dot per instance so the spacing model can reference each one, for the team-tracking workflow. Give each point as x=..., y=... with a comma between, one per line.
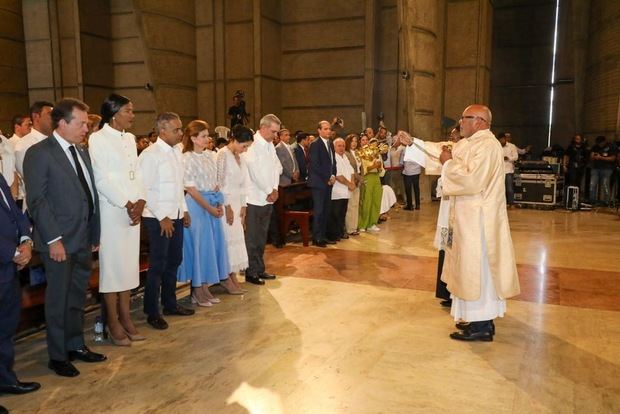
x=264, y=169
x=341, y=192
x=480, y=268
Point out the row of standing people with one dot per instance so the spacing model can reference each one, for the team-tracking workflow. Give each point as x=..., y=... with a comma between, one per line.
x=80, y=201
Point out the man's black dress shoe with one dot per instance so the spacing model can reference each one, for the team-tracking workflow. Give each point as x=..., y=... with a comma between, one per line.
x=329, y=241
x=319, y=243
x=446, y=303
x=409, y=208
x=157, y=322
x=63, y=368
x=267, y=276
x=180, y=311
x=3, y=410
x=254, y=280
x=345, y=236
x=278, y=245
x=465, y=325
x=86, y=355
x=475, y=331
x=19, y=388
x=468, y=335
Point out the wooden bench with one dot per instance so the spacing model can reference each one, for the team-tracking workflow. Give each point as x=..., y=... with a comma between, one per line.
x=288, y=197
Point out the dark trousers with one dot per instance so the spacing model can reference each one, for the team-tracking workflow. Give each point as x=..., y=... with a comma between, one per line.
x=510, y=190
x=321, y=201
x=65, y=297
x=574, y=176
x=337, y=215
x=165, y=256
x=257, y=225
x=274, y=227
x=412, y=181
x=10, y=305
x=441, y=289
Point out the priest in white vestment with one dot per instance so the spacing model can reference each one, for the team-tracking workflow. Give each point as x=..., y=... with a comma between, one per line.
x=480, y=268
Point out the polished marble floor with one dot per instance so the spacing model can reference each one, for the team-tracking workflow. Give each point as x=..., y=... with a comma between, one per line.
x=355, y=328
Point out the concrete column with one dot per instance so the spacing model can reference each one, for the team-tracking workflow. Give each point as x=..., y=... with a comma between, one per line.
x=13, y=79
x=602, y=90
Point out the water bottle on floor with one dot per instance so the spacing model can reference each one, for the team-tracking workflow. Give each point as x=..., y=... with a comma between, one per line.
x=98, y=330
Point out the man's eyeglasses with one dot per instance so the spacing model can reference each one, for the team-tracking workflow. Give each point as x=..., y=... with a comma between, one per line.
x=473, y=117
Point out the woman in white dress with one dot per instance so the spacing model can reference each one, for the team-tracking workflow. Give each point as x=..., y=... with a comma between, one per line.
x=121, y=194
x=232, y=174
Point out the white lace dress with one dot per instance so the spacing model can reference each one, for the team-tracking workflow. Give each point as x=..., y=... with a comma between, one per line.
x=232, y=178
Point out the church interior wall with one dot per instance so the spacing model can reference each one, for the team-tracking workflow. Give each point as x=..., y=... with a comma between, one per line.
x=309, y=60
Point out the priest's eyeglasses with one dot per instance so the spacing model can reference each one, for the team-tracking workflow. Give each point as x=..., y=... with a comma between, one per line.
x=473, y=117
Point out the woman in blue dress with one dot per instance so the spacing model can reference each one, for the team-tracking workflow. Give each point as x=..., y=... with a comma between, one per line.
x=205, y=257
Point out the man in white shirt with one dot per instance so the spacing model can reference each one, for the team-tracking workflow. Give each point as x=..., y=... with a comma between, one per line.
x=341, y=193
x=264, y=169
x=164, y=218
x=510, y=156
x=22, y=125
x=40, y=113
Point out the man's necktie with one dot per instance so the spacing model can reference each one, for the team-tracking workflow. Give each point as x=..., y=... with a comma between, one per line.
x=82, y=178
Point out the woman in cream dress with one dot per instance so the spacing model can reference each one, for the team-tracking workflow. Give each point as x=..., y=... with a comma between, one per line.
x=121, y=193
x=232, y=175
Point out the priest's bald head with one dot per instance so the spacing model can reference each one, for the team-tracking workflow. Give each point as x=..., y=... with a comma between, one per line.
x=475, y=118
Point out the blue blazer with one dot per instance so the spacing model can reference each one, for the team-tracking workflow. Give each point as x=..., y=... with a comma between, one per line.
x=321, y=166
x=13, y=225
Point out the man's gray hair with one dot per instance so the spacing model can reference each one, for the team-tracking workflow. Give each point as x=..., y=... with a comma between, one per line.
x=339, y=139
x=269, y=119
x=164, y=118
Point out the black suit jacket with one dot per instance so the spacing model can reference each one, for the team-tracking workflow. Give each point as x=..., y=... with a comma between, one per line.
x=321, y=166
x=13, y=226
x=301, y=162
x=56, y=200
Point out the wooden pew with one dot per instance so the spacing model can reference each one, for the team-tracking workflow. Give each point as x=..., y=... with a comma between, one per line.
x=288, y=196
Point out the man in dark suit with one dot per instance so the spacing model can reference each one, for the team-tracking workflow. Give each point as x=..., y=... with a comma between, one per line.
x=15, y=253
x=301, y=154
x=62, y=199
x=321, y=178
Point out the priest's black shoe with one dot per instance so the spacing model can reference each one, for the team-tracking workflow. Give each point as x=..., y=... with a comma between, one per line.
x=465, y=325
x=157, y=322
x=329, y=241
x=267, y=276
x=446, y=303
x=475, y=331
x=19, y=387
x=63, y=368
x=278, y=245
x=468, y=335
x=319, y=243
x=254, y=280
x=3, y=410
x=86, y=355
x=179, y=311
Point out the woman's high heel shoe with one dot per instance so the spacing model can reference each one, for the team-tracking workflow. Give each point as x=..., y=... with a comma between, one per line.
x=118, y=342
x=134, y=338
x=230, y=287
x=197, y=302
